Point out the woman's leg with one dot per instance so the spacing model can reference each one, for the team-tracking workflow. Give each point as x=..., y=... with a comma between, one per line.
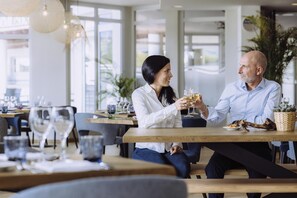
x=181, y=164
x=149, y=155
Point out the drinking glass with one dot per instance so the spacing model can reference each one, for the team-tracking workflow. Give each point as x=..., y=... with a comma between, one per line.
x=40, y=123
x=111, y=109
x=63, y=121
x=188, y=94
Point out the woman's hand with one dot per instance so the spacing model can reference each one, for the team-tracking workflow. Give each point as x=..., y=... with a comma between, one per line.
x=181, y=103
x=175, y=149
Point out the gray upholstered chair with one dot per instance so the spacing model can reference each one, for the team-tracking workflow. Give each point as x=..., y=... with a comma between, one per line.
x=144, y=186
x=109, y=131
x=3, y=132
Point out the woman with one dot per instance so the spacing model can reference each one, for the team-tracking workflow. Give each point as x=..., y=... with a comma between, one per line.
x=156, y=106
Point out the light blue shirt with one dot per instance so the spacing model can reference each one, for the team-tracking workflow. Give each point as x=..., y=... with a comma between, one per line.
x=239, y=103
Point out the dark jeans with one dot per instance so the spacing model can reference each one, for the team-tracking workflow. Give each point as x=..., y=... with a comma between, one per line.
x=218, y=164
x=178, y=160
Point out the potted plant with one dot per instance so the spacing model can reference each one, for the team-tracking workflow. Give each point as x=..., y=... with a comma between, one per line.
x=279, y=45
x=285, y=117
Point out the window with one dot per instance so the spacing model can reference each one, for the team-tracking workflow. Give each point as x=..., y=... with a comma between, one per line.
x=203, y=53
x=14, y=58
x=150, y=36
x=101, y=53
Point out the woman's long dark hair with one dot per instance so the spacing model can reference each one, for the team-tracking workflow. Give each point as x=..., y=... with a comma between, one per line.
x=150, y=67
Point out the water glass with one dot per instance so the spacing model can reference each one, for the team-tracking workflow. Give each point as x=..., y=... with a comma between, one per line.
x=111, y=109
x=92, y=147
x=4, y=108
x=15, y=148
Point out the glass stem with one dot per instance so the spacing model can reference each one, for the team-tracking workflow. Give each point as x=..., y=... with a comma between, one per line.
x=63, y=148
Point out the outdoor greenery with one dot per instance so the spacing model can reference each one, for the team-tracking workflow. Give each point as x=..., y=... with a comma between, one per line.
x=279, y=45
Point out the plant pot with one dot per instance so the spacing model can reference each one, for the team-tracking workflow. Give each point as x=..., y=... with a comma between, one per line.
x=285, y=121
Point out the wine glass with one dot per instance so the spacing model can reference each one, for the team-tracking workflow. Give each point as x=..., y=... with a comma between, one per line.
x=111, y=109
x=63, y=121
x=188, y=94
x=40, y=123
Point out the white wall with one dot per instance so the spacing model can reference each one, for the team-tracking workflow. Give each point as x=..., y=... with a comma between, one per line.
x=47, y=69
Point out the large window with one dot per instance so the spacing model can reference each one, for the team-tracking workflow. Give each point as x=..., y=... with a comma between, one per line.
x=203, y=53
x=98, y=54
x=149, y=35
x=14, y=58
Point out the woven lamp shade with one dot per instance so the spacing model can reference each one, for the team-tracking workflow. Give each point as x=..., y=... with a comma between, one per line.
x=18, y=7
x=70, y=30
x=52, y=21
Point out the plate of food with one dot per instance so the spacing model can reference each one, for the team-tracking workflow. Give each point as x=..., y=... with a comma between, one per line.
x=231, y=128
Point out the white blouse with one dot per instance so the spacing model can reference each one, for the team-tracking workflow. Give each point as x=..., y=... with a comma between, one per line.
x=151, y=113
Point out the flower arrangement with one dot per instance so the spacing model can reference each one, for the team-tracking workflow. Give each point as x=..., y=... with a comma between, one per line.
x=285, y=107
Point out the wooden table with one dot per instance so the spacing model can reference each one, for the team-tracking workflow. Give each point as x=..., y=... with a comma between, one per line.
x=10, y=114
x=119, y=166
x=123, y=121
x=223, y=142
x=117, y=114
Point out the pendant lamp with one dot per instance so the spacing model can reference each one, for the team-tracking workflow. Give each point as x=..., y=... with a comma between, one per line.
x=18, y=7
x=48, y=16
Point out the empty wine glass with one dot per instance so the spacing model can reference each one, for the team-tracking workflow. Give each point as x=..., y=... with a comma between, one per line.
x=40, y=123
x=63, y=121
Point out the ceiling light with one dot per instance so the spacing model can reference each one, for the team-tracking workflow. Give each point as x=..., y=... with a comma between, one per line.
x=294, y=4
x=18, y=7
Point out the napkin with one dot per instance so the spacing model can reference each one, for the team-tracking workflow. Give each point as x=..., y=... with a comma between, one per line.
x=69, y=166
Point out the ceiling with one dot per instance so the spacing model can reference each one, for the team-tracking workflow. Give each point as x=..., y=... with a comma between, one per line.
x=279, y=5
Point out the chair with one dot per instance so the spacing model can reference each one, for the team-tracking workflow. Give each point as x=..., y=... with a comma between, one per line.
x=3, y=132
x=145, y=186
x=109, y=131
x=192, y=150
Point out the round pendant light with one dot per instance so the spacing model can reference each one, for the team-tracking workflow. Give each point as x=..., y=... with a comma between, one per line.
x=70, y=30
x=18, y=7
x=48, y=16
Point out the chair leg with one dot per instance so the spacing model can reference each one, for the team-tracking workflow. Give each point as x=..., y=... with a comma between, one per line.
x=55, y=145
x=29, y=142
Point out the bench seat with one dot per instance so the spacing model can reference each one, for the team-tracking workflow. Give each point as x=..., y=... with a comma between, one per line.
x=198, y=169
x=241, y=185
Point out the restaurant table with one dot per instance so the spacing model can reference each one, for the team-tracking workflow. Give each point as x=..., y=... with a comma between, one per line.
x=223, y=142
x=18, y=180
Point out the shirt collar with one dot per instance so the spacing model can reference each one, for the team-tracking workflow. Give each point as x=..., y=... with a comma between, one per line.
x=261, y=85
x=148, y=88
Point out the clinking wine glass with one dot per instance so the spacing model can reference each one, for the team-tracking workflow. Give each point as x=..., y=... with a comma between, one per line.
x=63, y=121
x=188, y=94
x=40, y=123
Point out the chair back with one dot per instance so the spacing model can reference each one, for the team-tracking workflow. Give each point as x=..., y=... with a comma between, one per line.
x=109, y=131
x=3, y=128
x=192, y=150
x=145, y=186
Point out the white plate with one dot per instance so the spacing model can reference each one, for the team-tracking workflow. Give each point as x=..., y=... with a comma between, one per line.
x=231, y=128
x=7, y=166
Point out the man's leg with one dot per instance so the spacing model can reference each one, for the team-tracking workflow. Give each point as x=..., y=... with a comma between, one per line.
x=216, y=168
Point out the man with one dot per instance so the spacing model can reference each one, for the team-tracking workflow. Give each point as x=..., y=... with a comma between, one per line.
x=252, y=98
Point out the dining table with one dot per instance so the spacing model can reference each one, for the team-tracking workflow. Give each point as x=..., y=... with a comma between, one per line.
x=119, y=166
x=224, y=142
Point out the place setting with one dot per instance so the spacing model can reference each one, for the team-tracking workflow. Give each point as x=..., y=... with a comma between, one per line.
x=19, y=156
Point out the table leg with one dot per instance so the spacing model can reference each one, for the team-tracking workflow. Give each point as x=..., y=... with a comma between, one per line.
x=251, y=160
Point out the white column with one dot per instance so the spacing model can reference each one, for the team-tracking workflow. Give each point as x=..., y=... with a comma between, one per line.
x=173, y=49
